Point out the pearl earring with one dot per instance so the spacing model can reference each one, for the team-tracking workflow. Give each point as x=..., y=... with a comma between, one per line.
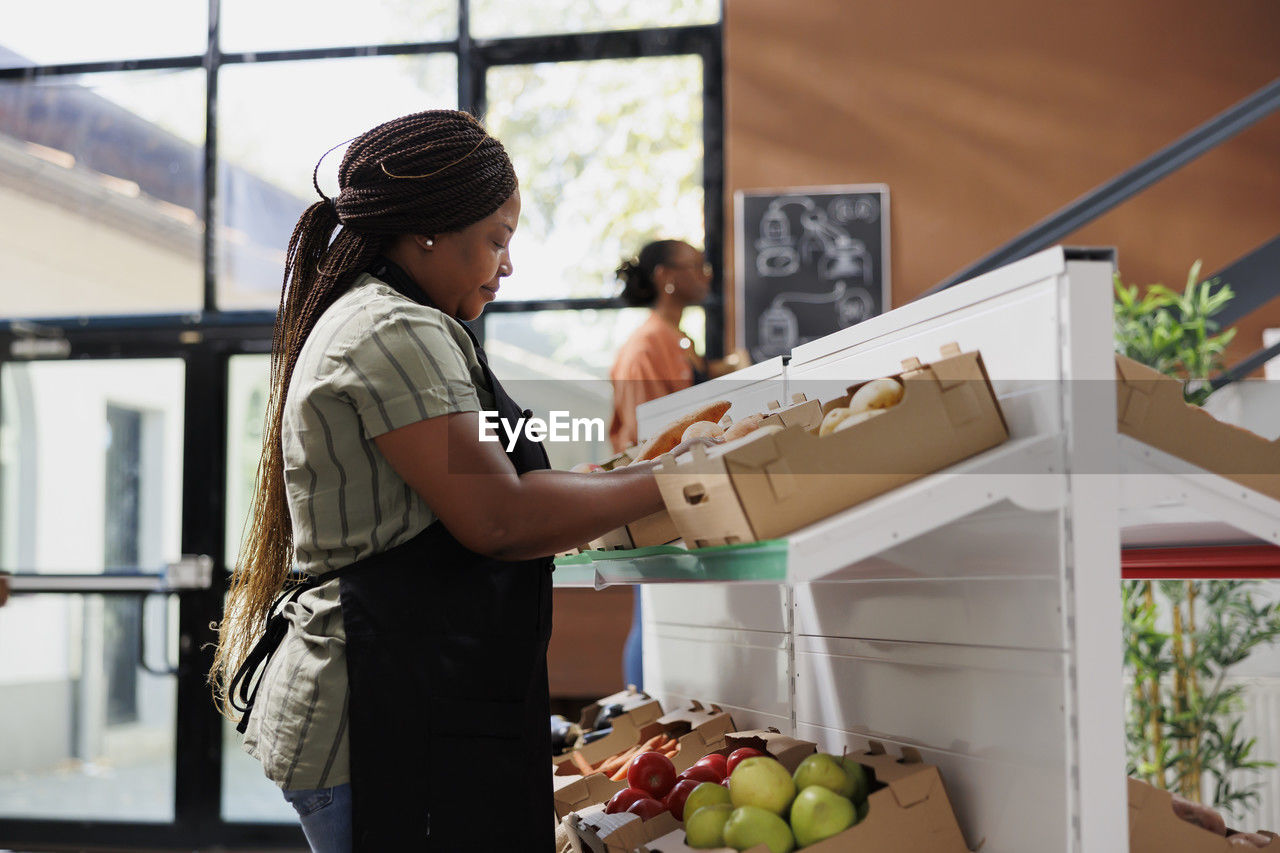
x=670, y=288
x=429, y=242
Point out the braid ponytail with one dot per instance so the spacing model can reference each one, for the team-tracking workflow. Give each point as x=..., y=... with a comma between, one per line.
x=427, y=173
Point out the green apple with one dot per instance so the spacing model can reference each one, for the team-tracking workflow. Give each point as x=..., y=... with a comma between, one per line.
x=704, y=829
x=762, y=782
x=820, y=813
x=824, y=771
x=858, y=773
x=863, y=808
x=706, y=794
x=751, y=825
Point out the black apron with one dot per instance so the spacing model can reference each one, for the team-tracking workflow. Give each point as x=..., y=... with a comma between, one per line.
x=447, y=666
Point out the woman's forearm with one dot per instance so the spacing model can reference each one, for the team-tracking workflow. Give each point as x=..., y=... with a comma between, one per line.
x=553, y=511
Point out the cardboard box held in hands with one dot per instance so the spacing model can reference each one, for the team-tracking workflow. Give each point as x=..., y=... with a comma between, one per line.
x=655, y=529
x=763, y=487
x=1150, y=408
x=1154, y=828
x=908, y=812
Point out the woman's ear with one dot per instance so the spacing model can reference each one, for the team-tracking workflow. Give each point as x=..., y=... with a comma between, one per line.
x=424, y=242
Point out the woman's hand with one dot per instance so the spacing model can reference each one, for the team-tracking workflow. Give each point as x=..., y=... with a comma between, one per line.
x=474, y=490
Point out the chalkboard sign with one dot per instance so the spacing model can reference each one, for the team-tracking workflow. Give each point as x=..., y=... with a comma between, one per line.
x=810, y=261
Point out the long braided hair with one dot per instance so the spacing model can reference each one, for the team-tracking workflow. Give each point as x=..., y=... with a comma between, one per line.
x=428, y=173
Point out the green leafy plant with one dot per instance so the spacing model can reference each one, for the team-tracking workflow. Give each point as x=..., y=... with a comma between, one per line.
x=1175, y=332
x=1181, y=638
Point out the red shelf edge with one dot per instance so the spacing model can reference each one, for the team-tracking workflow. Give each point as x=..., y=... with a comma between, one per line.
x=1210, y=562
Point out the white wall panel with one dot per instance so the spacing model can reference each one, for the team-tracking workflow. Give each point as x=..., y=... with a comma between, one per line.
x=754, y=607
x=999, y=704
x=742, y=669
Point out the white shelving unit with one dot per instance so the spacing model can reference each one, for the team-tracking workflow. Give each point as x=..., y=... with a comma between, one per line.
x=975, y=613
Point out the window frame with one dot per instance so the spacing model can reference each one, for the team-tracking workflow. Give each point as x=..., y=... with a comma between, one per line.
x=205, y=341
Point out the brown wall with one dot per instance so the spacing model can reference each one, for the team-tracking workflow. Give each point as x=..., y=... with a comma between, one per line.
x=985, y=117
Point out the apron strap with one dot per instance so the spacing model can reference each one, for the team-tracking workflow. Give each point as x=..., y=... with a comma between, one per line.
x=239, y=694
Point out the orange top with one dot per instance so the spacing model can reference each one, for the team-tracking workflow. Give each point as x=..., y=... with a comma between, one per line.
x=651, y=364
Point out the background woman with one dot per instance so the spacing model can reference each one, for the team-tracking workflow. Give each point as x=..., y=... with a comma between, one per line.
x=405, y=680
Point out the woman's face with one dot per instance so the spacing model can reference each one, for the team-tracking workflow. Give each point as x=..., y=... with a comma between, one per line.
x=686, y=270
x=462, y=270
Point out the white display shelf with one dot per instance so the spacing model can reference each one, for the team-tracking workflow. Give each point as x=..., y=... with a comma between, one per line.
x=1166, y=501
x=1024, y=472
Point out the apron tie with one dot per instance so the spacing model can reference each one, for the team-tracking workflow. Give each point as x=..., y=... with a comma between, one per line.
x=241, y=697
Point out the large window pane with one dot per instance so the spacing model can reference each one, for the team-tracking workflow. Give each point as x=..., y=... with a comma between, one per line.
x=257, y=25
x=249, y=388
x=277, y=120
x=58, y=31
x=87, y=708
x=491, y=18
x=609, y=155
x=101, y=194
x=90, y=466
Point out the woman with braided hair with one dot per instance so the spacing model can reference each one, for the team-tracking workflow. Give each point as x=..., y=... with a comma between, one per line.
x=408, y=669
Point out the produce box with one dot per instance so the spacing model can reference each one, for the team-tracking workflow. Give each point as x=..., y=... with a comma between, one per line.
x=1150, y=408
x=909, y=812
x=787, y=750
x=640, y=711
x=763, y=487
x=577, y=793
x=593, y=831
x=655, y=529
x=1154, y=828
x=801, y=411
x=699, y=730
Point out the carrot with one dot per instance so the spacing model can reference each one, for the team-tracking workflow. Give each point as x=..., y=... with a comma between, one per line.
x=581, y=763
x=622, y=771
x=611, y=766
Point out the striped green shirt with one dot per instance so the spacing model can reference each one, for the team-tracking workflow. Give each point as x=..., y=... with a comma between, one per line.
x=375, y=362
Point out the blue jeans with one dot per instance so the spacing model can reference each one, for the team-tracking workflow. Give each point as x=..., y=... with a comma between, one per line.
x=633, y=651
x=326, y=817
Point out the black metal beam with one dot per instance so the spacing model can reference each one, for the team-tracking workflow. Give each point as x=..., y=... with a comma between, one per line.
x=1255, y=279
x=1245, y=367
x=1099, y=200
x=713, y=188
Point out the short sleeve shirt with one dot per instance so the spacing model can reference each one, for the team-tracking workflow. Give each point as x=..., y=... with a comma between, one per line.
x=375, y=361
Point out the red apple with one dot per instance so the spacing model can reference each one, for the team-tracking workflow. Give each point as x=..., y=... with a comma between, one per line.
x=675, y=799
x=701, y=773
x=716, y=762
x=647, y=808
x=622, y=800
x=738, y=755
x=652, y=772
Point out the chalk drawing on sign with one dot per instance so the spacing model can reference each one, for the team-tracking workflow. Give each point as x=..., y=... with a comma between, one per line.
x=837, y=254
x=780, y=328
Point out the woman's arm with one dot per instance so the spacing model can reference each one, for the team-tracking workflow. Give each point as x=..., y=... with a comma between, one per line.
x=473, y=489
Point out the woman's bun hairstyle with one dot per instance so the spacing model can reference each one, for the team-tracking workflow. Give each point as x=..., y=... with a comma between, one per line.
x=639, y=290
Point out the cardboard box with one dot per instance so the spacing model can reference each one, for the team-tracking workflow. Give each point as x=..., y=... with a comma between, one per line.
x=698, y=729
x=655, y=529
x=763, y=487
x=627, y=726
x=593, y=831
x=909, y=813
x=787, y=750
x=1150, y=408
x=1154, y=828
x=801, y=412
